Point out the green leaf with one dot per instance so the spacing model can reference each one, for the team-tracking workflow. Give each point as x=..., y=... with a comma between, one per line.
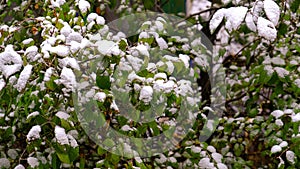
x=55, y=162
x=109, y=143
x=73, y=153
x=63, y=157
x=145, y=73
x=100, y=150
x=123, y=45
x=149, y=4
x=295, y=5
x=112, y=3
x=103, y=82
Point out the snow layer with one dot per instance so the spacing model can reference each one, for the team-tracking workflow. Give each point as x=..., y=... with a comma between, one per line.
x=62, y=115
x=10, y=61
x=221, y=166
x=19, y=166
x=61, y=136
x=4, y=163
x=84, y=6
x=250, y=22
x=217, y=19
x=143, y=50
x=297, y=82
x=281, y=72
x=146, y=94
x=60, y=50
x=161, y=43
x=2, y=84
x=290, y=156
x=57, y=3
x=266, y=29
x=100, y=96
x=272, y=11
x=205, y=163
x=67, y=77
x=217, y=157
x=33, y=162
x=24, y=76
x=185, y=59
x=32, y=53
x=277, y=113
x=72, y=62
x=276, y=148
x=235, y=16
x=296, y=118
x=48, y=74
x=34, y=133
x=33, y=114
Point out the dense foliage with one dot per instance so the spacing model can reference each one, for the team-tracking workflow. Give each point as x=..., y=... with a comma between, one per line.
x=48, y=51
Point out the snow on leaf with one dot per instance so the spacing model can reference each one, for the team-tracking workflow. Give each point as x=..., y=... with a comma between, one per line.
x=4, y=163
x=283, y=144
x=296, y=117
x=185, y=59
x=234, y=17
x=72, y=62
x=61, y=136
x=33, y=162
x=62, y=115
x=19, y=166
x=221, y=166
x=281, y=72
x=250, y=22
x=66, y=30
x=266, y=29
x=74, y=36
x=146, y=94
x=24, y=76
x=75, y=46
x=10, y=61
x=257, y=9
x=67, y=77
x=48, y=74
x=275, y=149
x=143, y=50
x=33, y=114
x=290, y=156
x=27, y=41
x=34, y=133
x=217, y=19
x=217, y=157
x=60, y=50
x=135, y=62
x=205, y=163
x=100, y=96
x=72, y=140
x=84, y=6
x=91, y=17
x=32, y=53
x=2, y=84
x=57, y=3
x=297, y=82
x=272, y=11
x=277, y=113
x=161, y=43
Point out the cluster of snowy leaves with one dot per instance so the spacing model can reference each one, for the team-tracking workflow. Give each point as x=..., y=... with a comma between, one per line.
x=38, y=76
x=253, y=17
x=262, y=80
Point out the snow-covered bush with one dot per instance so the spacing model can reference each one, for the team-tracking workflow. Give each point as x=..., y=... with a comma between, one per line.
x=56, y=56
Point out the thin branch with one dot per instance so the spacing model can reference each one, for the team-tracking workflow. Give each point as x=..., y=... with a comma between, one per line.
x=236, y=99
